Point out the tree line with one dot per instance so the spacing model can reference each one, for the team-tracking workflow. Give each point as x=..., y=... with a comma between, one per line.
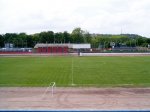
x=76, y=36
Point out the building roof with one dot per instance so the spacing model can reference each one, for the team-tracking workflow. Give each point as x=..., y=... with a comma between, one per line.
x=74, y=46
x=49, y=45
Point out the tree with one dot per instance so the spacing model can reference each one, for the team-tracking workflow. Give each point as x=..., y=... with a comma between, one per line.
x=46, y=37
x=43, y=37
x=59, y=38
x=77, y=35
x=50, y=35
x=29, y=41
x=148, y=40
x=87, y=37
x=67, y=38
x=1, y=41
x=22, y=39
x=35, y=38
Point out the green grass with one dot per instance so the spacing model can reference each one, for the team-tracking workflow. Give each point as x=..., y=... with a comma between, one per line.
x=87, y=71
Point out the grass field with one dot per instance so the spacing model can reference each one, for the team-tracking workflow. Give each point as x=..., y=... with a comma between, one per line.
x=82, y=71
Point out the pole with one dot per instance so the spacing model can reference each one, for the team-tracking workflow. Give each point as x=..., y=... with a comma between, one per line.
x=53, y=88
x=26, y=43
x=54, y=38
x=64, y=39
x=52, y=84
x=130, y=43
x=17, y=43
x=104, y=45
x=22, y=43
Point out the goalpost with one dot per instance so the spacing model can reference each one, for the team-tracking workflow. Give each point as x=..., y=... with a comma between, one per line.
x=51, y=86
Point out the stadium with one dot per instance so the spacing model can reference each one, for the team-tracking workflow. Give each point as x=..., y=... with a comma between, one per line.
x=74, y=56
x=71, y=76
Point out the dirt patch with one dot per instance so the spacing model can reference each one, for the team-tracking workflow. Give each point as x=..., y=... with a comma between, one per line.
x=74, y=98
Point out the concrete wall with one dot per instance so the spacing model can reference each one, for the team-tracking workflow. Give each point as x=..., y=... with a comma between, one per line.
x=80, y=46
x=114, y=54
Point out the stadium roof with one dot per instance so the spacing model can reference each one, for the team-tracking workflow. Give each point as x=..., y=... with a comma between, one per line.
x=74, y=46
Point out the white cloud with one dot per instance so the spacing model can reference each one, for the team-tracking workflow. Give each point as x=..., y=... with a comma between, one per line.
x=96, y=16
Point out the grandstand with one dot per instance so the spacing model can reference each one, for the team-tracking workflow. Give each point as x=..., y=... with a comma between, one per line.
x=61, y=48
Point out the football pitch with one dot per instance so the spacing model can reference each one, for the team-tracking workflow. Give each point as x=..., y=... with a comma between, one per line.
x=75, y=71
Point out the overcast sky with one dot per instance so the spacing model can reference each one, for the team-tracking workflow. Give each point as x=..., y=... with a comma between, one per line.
x=95, y=16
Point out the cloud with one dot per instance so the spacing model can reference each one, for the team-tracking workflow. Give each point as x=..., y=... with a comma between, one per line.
x=96, y=16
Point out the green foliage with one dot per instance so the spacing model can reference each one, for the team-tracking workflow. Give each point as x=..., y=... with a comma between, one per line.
x=1, y=41
x=77, y=36
x=95, y=71
x=46, y=37
x=67, y=37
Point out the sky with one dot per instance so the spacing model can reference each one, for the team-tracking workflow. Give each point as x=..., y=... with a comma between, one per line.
x=95, y=16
